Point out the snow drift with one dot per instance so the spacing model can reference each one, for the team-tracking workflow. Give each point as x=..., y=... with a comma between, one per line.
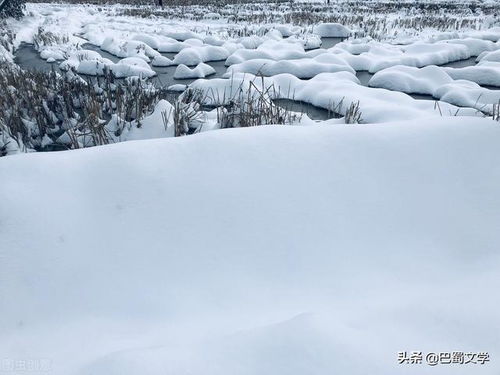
x=268, y=250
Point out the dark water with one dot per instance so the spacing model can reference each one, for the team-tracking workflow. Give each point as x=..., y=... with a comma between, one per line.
x=330, y=42
x=314, y=113
x=28, y=58
x=461, y=63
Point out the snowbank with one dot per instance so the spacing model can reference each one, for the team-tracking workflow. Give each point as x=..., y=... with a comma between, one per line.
x=270, y=250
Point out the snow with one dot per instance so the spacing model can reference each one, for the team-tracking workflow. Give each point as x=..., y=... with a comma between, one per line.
x=200, y=71
x=194, y=55
x=92, y=63
x=493, y=56
x=484, y=73
x=272, y=50
x=332, y=30
x=128, y=48
x=266, y=250
x=475, y=46
x=411, y=80
x=175, y=46
x=331, y=91
x=153, y=126
x=131, y=67
x=378, y=56
x=301, y=68
x=162, y=61
x=52, y=53
x=435, y=81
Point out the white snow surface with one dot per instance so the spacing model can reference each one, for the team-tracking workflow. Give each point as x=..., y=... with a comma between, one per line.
x=300, y=68
x=91, y=63
x=484, y=73
x=268, y=250
x=200, y=71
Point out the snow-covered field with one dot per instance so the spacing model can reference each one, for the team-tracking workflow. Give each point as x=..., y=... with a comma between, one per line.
x=268, y=250
x=284, y=245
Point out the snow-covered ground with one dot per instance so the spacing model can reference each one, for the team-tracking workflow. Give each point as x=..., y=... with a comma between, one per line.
x=269, y=250
x=314, y=247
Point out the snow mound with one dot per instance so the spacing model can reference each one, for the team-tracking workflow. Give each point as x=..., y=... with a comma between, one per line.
x=331, y=91
x=92, y=63
x=331, y=30
x=485, y=73
x=174, y=46
x=194, y=55
x=77, y=58
x=378, y=56
x=302, y=68
x=493, y=56
x=475, y=46
x=272, y=50
x=435, y=81
x=161, y=61
x=131, y=67
x=411, y=80
x=200, y=71
x=128, y=48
